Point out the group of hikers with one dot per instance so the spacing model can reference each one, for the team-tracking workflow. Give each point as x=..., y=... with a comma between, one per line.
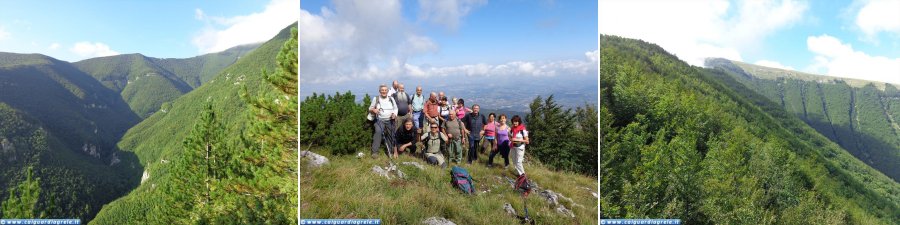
x=406, y=123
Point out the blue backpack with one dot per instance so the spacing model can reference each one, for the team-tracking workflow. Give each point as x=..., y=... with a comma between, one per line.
x=461, y=179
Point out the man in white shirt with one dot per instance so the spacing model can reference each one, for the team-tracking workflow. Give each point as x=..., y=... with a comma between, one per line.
x=385, y=109
x=394, y=87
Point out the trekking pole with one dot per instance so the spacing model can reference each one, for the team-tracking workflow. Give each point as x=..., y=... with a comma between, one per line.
x=527, y=219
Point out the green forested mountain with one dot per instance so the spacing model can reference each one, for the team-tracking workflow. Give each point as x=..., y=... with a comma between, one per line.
x=145, y=83
x=697, y=144
x=198, y=70
x=222, y=123
x=64, y=124
x=858, y=115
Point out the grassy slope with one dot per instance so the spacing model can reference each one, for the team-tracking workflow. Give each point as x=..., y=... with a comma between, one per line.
x=158, y=139
x=347, y=188
x=857, y=111
x=775, y=73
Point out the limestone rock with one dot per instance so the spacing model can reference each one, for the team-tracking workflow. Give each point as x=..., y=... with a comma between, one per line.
x=437, y=221
x=315, y=160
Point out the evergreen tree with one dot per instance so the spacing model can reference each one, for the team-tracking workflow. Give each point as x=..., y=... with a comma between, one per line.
x=551, y=134
x=22, y=201
x=197, y=175
x=586, y=119
x=265, y=184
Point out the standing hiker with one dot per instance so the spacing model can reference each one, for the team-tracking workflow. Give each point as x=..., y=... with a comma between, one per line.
x=385, y=110
x=461, y=109
x=502, y=142
x=489, y=144
x=474, y=122
x=444, y=110
x=456, y=131
x=519, y=138
x=418, y=103
x=403, y=106
x=431, y=113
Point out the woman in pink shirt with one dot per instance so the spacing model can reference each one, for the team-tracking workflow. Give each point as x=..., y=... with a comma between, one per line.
x=461, y=109
x=489, y=134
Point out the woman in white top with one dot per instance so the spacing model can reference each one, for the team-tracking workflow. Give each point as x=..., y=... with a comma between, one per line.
x=518, y=138
x=444, y=109
x=385, y=109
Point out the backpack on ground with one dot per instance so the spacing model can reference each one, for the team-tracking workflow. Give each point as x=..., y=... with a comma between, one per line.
x=523, y=185
x=460, y=178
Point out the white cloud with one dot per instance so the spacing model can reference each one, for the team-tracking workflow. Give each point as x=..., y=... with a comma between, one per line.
x=198, y=14
x=593, y=56
x=53, y=46
x=448, y=13
x=366, y=40
x=879, y=16
x=357, y=40
x=773, y=64
x=3, y=34
x=245, y=29
x=695, y=30
x=841, y=60
x=586, y=66
x=90, y=50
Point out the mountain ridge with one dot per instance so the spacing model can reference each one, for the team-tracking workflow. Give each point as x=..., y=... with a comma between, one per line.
x=858, y=116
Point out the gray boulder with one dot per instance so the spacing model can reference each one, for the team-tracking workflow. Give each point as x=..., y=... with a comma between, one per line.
x=437, y=221
x=509, y=209
x=315, y=160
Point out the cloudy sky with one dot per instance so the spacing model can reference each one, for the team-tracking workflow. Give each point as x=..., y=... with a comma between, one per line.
x=856, y=39
x=76, y=30
x=343, y=41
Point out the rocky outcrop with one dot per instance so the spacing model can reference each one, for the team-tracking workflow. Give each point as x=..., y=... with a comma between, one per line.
x=509, y=209
x=437, y=221
x=416, y=164
x=145, y=176
x=386, y=171
x=315, y=160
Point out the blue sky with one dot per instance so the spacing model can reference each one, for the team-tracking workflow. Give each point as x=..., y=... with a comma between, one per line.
x=386, y=40
x=76, y=30
x=856, y=39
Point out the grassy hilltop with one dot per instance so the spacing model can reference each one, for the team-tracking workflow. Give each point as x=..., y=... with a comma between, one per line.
x=346, y=187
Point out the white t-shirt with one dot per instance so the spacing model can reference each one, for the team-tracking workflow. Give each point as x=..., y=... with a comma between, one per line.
x=391, y=91
x=387, y=105
x=521, y=135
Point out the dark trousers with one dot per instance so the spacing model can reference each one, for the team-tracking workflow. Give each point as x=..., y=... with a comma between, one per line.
x=383, y=128
x=473, y=148
x=503, y=149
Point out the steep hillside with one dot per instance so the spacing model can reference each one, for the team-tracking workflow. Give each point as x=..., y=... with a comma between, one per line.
x=145, y=83
x=696, y=144
x=64, y=124
x=853, y=113
x=158, y=140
